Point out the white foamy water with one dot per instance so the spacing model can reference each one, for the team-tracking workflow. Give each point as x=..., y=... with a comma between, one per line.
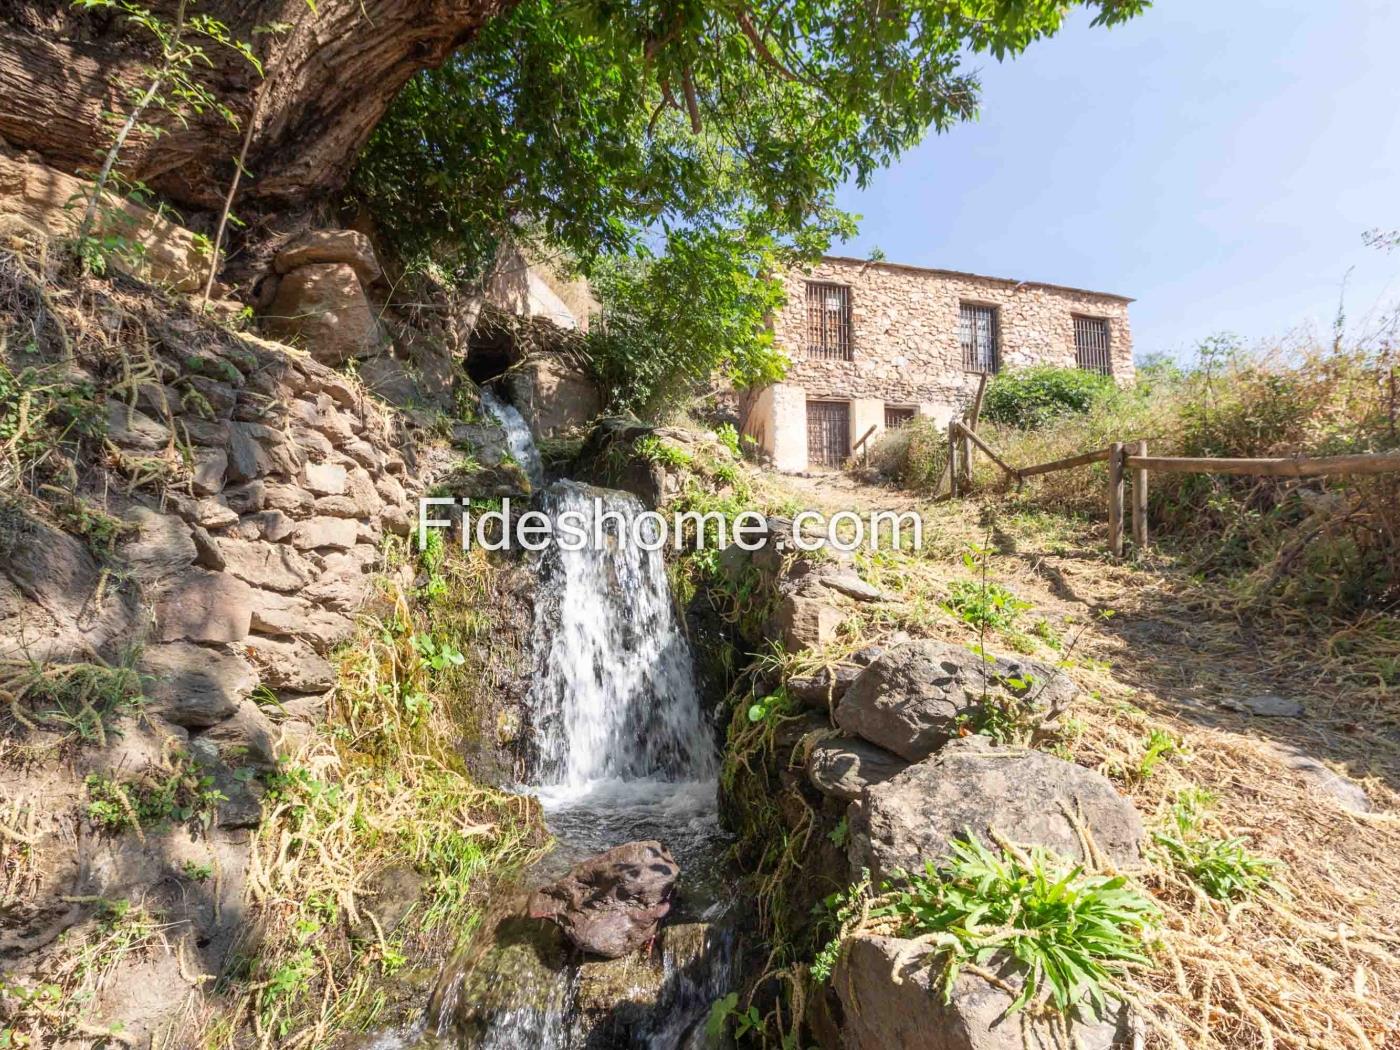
x=518, y=438
x=614, y=697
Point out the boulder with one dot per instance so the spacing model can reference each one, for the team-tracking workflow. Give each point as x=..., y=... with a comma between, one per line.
x=824, y=687
x=202, y=606
x=39, y=196
x=807, y=623
x=246, y=737
x=129, y=427
x=284, y=616
x=322, y=307
x=208, y=468
x=904, y=1010
x=611, y=904
x=551, y=396
x=914, y=698
x=852, y=586
x=845, y=768
x=325, y=479
x=56, y=604
x=350, y=247
x=290, y=499
x=195, y=687
x=973, y=786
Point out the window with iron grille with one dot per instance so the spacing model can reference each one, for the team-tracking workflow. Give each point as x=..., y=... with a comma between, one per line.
x=897, y=416
x=1091, y=345
x=977, y=332
x=828, y=320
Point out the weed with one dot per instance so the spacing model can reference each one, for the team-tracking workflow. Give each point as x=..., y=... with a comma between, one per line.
x=1223, y=868
x=728, y=436
x=153, y=799
x=197, y=872
x=1158, y=745
x=1074, y=933
x=984, y=605
x=83, y=699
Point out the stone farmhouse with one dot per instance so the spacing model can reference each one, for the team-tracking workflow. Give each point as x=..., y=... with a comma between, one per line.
x=875, y=344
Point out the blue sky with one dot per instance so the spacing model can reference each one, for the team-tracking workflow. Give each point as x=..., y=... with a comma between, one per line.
x=1216, y=159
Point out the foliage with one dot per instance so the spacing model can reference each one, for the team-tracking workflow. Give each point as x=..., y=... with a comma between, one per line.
x=984, y=605
x=679, y=156
x=175, y=86
x=80, y=698
x=1028, y=398
x=671, y=322
x=591, y=122
x=43, y=411
x=1224, y=868
x=1073, y=932
x=384, y=784
x=180, y=793
x=915, y=454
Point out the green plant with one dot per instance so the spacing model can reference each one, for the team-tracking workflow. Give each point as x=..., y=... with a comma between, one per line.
x=728, y=436
x=197, y=872
x=154, y=798
x=984, y=605
x=774, y=705
x=79, y=697
x=1158, y=745
x=1073, y=933
x=1034, y=397
x=1224, y=868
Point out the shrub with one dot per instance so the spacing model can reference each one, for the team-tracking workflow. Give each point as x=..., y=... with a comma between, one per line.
x=915, y=455
x=1028, y=398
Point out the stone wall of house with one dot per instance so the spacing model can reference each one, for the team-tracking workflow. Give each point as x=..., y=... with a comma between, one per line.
x=905, y=349
x=904, y=329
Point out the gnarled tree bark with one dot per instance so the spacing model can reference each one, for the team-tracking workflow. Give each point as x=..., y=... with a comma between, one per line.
x=330, y=79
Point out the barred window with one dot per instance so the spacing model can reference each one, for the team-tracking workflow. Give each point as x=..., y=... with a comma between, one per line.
x=977, y=333
x=897, y=416
x=828, y=320
x=1091, y=345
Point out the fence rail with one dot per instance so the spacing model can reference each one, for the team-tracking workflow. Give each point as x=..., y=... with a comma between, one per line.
x=1129, y=464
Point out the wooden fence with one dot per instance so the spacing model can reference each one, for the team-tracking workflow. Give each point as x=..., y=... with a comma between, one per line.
x=1129, y=462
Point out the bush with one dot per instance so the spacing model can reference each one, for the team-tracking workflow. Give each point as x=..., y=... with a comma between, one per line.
x=1029, y=398
x=915, y=455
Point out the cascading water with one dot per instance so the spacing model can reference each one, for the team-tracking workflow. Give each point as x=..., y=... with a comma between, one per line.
x=518, y=439
x=623, y=750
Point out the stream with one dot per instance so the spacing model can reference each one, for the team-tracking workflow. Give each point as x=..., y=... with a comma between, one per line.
x=621, y=749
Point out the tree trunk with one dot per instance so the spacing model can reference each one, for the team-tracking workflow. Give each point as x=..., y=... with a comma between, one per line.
x=330, y=80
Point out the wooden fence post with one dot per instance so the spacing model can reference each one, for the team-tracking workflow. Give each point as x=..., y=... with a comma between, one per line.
x=1115, y=499
x=1140, y=501
x=952, y=457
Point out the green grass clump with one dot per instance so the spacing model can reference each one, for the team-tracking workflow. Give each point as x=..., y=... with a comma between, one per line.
x=1224, y=868
x=1074, y=933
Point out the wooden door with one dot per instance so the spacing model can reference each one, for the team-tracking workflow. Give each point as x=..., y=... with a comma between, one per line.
x=828, y=432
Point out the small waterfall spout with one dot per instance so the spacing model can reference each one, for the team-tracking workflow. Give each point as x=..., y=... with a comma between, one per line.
x=518, y=437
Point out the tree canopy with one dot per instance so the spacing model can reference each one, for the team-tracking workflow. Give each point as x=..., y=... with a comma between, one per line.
x=608, y=127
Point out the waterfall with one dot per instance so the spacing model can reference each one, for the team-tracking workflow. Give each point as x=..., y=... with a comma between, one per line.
x=622, y=749
x=614, y=698
x=518, y=437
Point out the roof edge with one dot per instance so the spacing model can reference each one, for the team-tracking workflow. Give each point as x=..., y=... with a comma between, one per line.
x=884, y=264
